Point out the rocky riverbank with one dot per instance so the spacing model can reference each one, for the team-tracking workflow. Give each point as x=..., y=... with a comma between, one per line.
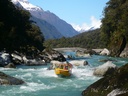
x=34, y=58
x=114, y=84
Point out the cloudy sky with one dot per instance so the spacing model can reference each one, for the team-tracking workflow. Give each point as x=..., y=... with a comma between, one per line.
x=81, y=14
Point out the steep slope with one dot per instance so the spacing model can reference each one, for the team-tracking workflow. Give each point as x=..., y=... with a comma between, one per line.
x=64, y=28
x=49, y=31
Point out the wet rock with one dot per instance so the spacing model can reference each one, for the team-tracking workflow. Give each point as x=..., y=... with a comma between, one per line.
x=10, y=65
x=9, y=80
x=116, y=83
x=105, y=69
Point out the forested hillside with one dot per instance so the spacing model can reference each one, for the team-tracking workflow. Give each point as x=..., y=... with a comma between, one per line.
x=90, y=39
x=115, y=26
x=17, y=32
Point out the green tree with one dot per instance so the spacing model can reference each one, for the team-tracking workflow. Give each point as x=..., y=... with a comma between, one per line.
x=115, y=26
x=16, y=30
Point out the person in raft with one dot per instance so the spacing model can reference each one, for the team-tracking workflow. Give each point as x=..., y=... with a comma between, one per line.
x=68, y=66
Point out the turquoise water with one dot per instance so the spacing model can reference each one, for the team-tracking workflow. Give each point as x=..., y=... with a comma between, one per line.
x=43, y=82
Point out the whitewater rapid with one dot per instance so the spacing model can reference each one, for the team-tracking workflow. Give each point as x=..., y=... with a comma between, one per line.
x=43, y=82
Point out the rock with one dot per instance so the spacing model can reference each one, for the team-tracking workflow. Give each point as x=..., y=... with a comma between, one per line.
x=97, y=51
x=105, y=52
x=17, y=58
x=117, y=45
x=82, y=53
x=33, y=62
x=54, y=55
x=9, y=80
x=105, y=69
x=5, y=59
x=78, y=62
x=116, y=92
x=10, y=65
x=124, y=53
x=115, y=83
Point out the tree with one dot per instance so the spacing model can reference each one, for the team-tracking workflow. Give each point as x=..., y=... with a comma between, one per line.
x=16, y=29
x=115, y=26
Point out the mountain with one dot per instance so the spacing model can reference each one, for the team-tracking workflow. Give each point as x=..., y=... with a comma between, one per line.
x=49, y=31
x=56, y=27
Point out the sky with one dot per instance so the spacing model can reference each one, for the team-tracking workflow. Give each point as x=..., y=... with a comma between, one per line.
x=81, y=14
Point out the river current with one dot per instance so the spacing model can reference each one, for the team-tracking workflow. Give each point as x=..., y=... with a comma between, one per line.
x=43, y=82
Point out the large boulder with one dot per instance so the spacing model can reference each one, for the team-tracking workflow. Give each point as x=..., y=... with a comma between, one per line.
x=105, y=52
x=115, y=84
x=9, y=80
x=105, y=69
x=54, y=55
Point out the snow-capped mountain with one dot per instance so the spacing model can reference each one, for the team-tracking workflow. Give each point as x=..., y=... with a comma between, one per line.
x=62, y=27
x=26, y=5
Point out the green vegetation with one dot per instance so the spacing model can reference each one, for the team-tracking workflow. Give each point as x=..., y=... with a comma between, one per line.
x=90, y=39
x=115, y=26
x=17, y=32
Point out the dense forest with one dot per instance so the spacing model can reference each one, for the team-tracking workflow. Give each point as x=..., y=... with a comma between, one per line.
x=114, y=27
x=113, y=33
x=17, y=32
x=90, y=39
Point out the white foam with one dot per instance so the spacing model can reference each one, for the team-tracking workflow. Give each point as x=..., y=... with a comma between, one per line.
x=80, y=72
x=32, y=86
x=46, y=73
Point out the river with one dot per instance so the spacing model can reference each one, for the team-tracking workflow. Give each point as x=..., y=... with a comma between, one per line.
x=43, y=82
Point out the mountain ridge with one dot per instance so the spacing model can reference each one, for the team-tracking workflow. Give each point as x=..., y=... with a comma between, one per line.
x=64, y=29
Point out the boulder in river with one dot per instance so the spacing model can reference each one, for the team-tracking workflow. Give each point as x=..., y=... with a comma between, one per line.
x=115, y=84
x=9, y=80
x=105, y=69
x=105, y=52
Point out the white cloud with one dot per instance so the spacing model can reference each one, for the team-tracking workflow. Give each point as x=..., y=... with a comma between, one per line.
x=95, y=23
